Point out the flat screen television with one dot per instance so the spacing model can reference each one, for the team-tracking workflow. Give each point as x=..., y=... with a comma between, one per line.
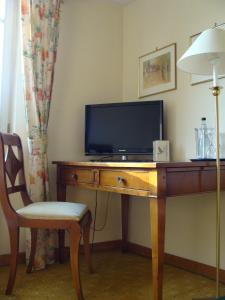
x=123, y=128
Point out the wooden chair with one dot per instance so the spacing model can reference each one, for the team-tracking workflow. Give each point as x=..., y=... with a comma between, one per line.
x=74, y=217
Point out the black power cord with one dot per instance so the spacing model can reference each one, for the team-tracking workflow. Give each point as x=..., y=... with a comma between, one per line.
x=95, y=216
x=94, y=222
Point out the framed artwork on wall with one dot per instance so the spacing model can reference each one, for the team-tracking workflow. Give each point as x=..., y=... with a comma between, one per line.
x=196, y=79
x=157, y=71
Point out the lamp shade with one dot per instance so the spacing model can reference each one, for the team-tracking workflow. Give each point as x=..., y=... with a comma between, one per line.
x=202, y=54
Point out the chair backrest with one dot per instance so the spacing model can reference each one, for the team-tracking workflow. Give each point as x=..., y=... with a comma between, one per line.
x=12, y=176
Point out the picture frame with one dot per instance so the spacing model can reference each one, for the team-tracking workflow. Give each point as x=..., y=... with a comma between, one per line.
x=197, y=79
x=157, y=71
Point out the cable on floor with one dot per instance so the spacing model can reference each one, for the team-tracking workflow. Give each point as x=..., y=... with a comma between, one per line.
x=102, y=227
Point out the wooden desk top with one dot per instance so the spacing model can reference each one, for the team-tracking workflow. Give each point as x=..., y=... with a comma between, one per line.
x=147, y=165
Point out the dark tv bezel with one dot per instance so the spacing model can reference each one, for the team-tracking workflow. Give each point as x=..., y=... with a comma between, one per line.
x=136, y=103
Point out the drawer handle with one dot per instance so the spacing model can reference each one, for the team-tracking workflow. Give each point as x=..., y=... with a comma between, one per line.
x=74, y=176
x=120, y=180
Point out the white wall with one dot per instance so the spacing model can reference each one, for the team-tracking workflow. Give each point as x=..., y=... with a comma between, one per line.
x=88, y=70
x=190, y=223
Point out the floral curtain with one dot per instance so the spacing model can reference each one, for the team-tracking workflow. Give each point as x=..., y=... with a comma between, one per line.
x=40, y=31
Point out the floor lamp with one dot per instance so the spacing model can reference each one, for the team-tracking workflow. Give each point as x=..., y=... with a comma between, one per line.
x=206, y=56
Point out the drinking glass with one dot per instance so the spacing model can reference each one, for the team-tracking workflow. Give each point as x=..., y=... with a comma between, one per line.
x=205, y=143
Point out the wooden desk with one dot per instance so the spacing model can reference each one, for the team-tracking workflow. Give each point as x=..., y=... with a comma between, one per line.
x=157, y=181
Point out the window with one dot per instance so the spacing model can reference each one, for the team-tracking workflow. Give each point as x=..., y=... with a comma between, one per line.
x=9, y=54
x=2, y=24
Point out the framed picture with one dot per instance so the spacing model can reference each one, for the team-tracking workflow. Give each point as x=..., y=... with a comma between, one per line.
x=196, y=79
x=157, y=71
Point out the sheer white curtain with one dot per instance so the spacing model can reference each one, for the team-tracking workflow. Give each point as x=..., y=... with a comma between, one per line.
x=9, y=61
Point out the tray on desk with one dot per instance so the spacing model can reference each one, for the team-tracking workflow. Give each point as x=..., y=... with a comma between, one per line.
x=206, y=159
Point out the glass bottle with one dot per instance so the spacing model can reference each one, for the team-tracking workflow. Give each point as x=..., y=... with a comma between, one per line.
x=205, y=141
x=201, y=140
x=204, y=146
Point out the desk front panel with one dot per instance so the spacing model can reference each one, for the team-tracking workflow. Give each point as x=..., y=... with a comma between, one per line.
x=75, y=176
x=183, y=181
x=123, y=181
x=175, y=179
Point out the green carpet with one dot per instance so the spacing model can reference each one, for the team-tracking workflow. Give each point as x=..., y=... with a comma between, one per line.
x=117, y=277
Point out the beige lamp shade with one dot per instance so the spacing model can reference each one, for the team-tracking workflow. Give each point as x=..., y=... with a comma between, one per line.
x=207, y=50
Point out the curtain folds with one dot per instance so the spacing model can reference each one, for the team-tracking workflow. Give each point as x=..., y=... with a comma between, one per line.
x=40, y=32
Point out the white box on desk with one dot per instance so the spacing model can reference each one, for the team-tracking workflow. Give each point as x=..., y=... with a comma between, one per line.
x=161, y=150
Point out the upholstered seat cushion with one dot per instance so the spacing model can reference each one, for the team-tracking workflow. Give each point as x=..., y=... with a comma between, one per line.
x=54, y=210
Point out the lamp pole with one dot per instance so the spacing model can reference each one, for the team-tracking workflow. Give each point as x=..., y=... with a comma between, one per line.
x=216, y=92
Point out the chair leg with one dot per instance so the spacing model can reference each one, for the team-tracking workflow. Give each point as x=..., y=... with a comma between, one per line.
x=87, y=248
x=75, y=236
x=61, y=236
x=14, y=245
x=32, y=250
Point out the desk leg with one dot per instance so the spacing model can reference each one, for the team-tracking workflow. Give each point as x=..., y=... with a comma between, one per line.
x=61, y=196
x=157, y=215
x=124, y=215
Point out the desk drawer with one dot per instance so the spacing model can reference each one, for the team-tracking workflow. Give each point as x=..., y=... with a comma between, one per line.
x=73, y=176
x=125, y=179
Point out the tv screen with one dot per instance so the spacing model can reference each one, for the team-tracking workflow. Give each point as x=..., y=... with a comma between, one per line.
x=123, y=128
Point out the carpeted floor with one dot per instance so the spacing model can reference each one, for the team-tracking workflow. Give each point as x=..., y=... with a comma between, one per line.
x=117, y=277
